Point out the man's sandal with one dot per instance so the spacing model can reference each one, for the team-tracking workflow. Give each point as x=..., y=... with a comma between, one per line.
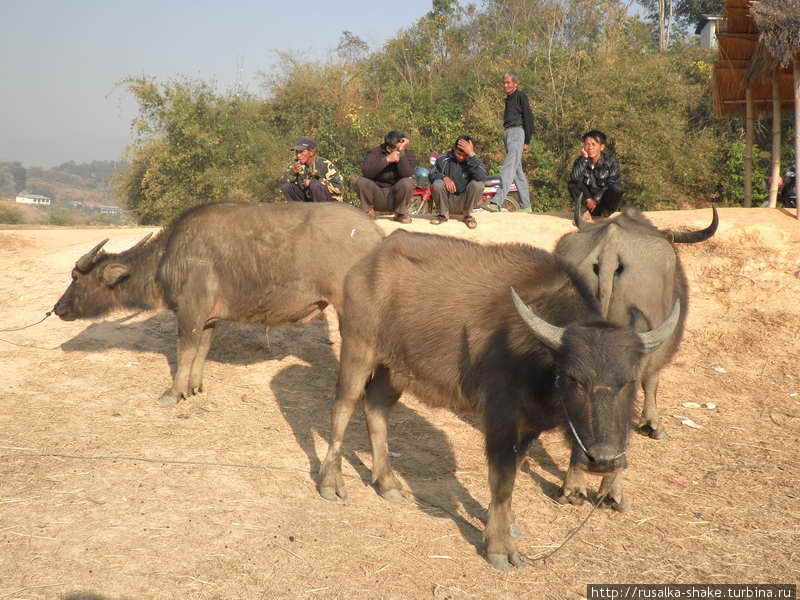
x=438, y=220
x=470, y=222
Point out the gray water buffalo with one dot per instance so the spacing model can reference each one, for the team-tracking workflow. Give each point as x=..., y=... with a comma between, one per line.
x=632, y=269
x=263, y=264
x=506, y=331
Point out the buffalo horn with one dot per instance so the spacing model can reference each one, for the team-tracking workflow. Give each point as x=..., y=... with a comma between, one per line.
x=142, y=242
x=655, y=337
x=550, y=335
x=579, y=222
x=86, y=261
x=692, y=237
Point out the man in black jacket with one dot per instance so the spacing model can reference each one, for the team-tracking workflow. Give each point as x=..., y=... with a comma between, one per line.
x=518, y=126
x=594, y=180
x=457, y=182
x=387, y=183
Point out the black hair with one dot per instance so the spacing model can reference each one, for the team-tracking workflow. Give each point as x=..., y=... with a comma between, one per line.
x=466, y=138
x=393, y=138
x=597, y=135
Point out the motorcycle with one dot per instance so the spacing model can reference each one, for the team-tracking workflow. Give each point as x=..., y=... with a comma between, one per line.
x=422, y=204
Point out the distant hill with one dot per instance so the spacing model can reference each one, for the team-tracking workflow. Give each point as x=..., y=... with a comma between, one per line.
x=87, y=183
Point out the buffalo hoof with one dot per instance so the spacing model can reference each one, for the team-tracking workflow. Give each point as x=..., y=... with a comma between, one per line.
x=393, y=495
x=505, y=562
x=576, y=497
x=620, y=505
x=332, y=494
x=659, y=433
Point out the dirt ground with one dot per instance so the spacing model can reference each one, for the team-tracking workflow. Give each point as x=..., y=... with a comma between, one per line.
x=105, y=494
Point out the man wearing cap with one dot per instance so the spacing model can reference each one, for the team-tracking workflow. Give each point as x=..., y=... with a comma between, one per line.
x=311, y=178
x=387, y=182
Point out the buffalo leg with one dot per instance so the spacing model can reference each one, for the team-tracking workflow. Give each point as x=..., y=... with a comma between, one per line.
x=503, y=460
x=354, y=371
x=612, y=487
x=650, y=422
x=189, y=341
x=380, y=397
x=575, y=490
x=196, y=374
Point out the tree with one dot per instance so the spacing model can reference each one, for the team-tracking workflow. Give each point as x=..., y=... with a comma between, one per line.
x=20, y=176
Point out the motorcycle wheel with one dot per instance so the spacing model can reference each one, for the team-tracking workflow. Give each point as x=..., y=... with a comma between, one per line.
x=418, y=207
x=511, y=203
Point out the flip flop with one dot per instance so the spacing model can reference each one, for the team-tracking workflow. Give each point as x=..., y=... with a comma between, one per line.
x=438, y=220
x=470, y=222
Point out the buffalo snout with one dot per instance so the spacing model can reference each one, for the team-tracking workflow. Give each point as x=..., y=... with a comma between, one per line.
x=603, y=458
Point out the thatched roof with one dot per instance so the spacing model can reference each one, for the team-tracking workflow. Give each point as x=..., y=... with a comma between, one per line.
x=745, y=58
x=778, y=23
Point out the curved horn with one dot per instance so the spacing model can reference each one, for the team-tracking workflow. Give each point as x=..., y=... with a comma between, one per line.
x=655, y=337
x=579, y=222
x=550, y=335
x=142, y=242
x=86, y=261
x=692, y=237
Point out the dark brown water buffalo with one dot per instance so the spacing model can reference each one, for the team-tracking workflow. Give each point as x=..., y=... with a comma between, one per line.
x=632, y=269
x=263, y=264
x=436, y=316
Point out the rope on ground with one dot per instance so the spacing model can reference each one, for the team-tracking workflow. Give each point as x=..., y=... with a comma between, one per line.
x=47, y=314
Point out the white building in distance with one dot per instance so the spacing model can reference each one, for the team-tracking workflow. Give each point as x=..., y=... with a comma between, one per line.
x=34, y=199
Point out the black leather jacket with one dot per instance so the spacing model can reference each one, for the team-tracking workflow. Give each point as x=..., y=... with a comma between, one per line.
x=598, y=178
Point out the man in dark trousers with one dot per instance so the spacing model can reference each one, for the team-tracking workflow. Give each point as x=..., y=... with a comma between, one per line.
x=518, y=126
x=311, y=178
x=594, y=180
x=457, y=182
x=387, y=182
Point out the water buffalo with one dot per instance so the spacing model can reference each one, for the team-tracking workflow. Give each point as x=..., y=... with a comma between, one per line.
x=263, y=264
x=628, y=263
x=436, y=316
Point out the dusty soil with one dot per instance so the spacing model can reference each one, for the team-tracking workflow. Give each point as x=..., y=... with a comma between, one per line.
x=106, y=494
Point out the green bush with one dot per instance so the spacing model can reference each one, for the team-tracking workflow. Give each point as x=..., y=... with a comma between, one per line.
x=10, y=215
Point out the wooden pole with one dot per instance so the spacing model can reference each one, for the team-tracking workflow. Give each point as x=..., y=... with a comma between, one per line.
x=776, y=140
x=748, y=149
x=796, y=65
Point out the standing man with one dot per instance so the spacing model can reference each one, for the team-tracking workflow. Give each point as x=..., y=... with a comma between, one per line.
x=518, y=126
x=457, y=182
x=594, y=180
x=387, y=180
x=311, y=178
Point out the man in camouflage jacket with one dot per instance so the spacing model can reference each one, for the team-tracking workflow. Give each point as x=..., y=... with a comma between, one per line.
x=311, y=178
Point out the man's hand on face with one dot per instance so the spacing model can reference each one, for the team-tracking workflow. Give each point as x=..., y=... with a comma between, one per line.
x=297, y=167
x=393, y=156
x=584, y=153
x=403, y=144
x=466, y=147
x=449, y=185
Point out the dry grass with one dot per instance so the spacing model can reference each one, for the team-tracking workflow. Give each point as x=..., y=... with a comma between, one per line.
x=105, y=495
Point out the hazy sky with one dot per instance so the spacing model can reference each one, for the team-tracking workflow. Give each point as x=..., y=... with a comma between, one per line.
x=60, y=60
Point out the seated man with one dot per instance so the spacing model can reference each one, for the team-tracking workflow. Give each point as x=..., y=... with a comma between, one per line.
x=387, y=182
x=594, y=180
x=311, y=178
x=457, y=182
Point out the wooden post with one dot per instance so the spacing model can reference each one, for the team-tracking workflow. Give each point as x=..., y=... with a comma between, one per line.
x=748, y=148
x=776, y=139
x=796, y=65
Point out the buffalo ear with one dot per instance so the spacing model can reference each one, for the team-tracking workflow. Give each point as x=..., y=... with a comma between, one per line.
x=113, y=273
